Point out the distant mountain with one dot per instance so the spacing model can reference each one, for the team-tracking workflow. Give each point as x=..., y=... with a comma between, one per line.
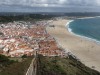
x=50, y=13
x=28, y=13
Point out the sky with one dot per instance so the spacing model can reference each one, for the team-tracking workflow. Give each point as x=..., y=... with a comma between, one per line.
x=49, y=5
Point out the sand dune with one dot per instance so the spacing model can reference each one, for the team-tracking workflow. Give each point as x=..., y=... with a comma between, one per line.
x=87, y=51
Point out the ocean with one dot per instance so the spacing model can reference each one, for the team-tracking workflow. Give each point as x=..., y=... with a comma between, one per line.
x=87, y=27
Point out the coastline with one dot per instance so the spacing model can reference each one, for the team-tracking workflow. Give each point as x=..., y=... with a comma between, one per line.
x=87, y=51
x=88, y=17
x=81, y=36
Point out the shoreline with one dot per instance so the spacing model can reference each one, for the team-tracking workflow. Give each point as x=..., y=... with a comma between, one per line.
x=86, y=51
x=88, y=17
x=81, y=36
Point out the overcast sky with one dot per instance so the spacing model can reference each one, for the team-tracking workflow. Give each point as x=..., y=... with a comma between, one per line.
x=50, y=5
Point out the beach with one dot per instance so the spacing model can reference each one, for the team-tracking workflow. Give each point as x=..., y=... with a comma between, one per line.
x=87, y=51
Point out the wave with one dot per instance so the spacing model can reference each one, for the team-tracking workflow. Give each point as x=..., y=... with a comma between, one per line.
x=82, y=36
x=88, y=17
x=67, y=25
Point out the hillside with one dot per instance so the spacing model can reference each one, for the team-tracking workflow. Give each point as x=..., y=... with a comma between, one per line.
x=62, y=66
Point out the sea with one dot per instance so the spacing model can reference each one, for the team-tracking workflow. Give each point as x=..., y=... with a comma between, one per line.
x=88, y=28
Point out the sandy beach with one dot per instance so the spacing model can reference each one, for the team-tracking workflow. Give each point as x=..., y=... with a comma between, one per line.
x=87, y=51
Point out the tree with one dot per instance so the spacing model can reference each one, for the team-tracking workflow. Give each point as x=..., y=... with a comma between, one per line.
x=24, y=56
x=3, y=58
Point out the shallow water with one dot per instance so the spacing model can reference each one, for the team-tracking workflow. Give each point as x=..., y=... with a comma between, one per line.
x=86, y=27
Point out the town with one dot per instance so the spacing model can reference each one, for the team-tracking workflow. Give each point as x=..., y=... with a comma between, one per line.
x=24, y=38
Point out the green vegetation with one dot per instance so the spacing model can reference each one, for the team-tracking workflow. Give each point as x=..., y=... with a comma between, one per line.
x=4, y=61
x=62, y=66
x=46, y=66
x=24, y=56
x=27, y=17
x=11, y=67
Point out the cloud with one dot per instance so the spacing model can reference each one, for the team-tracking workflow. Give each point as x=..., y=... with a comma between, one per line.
x=52, y=3
x=71, y=5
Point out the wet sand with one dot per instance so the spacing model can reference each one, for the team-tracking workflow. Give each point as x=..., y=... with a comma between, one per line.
x=87, y=51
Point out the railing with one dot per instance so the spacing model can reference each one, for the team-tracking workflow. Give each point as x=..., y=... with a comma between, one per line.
x=33, y=67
